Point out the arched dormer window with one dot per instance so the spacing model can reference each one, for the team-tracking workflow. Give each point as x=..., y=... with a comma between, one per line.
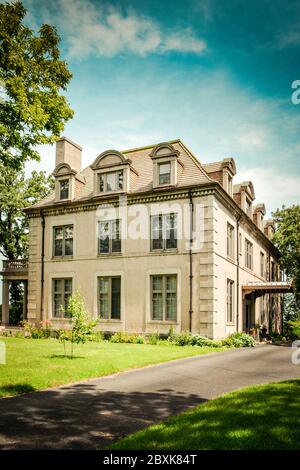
x=64, y=182
x=111, y=172
x=164, y=157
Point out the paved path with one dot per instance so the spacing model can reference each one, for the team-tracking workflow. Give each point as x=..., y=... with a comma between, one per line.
x=91, y=414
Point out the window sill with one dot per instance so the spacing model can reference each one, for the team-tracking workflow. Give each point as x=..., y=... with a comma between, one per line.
x=109, y=320
x=163, y=251
x=62, y=258
x=230, y=324
x=162, y=322
x=106, y=255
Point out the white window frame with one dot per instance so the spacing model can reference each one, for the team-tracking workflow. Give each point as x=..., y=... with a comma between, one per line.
x=248, y=254
x=229, y=301
x=109, y=294
x=164, y=293
x=230, y=240
x=110, y=239
x=164, y=229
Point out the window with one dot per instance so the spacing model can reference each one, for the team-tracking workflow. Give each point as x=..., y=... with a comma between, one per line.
x=164, y=173
x=262, y=264
x=248, y=254
x=248, y=207
x=230, y=240
x=230, y=285
x=62, y=290
x=164, y=232
x=164, y=298
x=64, y=189
x=240, y=244
x=63, y=241
x=112, y=181
x=273, y=271
x=229, y=185
x=109, y=237
x=109, y=298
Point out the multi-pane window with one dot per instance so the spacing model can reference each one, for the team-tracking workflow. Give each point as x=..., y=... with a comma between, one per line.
x=63, y=240
x=109, y=236
x=248, y=254
x=240, y=244
x=262, y=264
x=111, y=181
x=164, y=173
x=229, y=184
x=230, y=240
x=62, y=291
x=64, y=189
x=109, y=298
x=248, y=207
x=164, y=232
x=164, y=297
x=230, y=286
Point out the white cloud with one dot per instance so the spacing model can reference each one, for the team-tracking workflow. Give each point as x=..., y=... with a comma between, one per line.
x=272, y=187
x=100, y=31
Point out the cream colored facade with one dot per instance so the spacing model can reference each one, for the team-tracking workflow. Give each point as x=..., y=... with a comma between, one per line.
x=202, y=269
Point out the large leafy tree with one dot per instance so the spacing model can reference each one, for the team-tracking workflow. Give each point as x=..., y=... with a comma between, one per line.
x=16, y=193
x=33, y=78
x=287, y=239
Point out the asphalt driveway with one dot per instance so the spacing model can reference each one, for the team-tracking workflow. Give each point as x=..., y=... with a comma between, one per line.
x=92, y=414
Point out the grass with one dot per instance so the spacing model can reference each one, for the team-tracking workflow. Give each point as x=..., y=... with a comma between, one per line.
x=261, y=417
x=34, y=364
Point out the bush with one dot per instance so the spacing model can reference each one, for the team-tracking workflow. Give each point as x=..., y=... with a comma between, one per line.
x=181, y=339
x=239, y=340
x=42, y=331
x=123, y=337
x=153, y=339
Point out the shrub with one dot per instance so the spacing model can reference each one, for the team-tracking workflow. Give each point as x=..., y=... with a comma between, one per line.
x=181, y=339
x=153, y=339
x=239, y=340
x=123, y=337
x=36, y=332
x=294, y=327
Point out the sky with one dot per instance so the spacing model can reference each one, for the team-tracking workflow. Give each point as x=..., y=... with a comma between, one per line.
x=217, y=75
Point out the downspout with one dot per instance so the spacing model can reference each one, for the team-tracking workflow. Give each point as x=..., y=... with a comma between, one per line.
x=42, y=263
x=238, y=271
x=191, y=259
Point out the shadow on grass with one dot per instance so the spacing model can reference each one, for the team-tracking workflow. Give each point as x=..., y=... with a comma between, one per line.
x=62, y=356
x=263, y=417
x=16, y=389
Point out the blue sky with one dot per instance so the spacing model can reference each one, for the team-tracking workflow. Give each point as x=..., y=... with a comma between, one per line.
x=215, y=74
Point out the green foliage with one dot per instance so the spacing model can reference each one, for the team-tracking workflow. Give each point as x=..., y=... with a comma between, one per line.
x=287, y=239
x=294, y=326
x=43, y=331
x=187, y=339
x=153, y=339
x=16, y=193
x=239, y=340
x=33, y=109
x=81, y=326
x=123, y=337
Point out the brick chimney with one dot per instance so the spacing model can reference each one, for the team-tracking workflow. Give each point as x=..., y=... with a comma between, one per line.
x=68, y=152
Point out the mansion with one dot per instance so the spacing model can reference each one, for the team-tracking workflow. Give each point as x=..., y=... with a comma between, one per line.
x=154, y=239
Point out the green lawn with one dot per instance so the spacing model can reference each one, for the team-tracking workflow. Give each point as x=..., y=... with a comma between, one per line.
x=262, y=417
x=34, y=364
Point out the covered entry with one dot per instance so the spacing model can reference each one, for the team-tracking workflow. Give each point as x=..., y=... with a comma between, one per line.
x=271, y=300
x=14, y=271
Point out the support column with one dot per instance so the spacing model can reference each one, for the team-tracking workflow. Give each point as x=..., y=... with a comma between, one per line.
x=25, y=300
x=5, y=302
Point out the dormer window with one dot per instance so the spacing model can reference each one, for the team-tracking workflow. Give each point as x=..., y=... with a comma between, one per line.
x=164, y=173
x=111, y=181
x=248, y=207
x=164, y=157
x=64, y=189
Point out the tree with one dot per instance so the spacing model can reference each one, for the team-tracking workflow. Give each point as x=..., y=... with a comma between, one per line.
x=16, y=193
x=287, y=240
x=33, y=109
x=81, y=325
